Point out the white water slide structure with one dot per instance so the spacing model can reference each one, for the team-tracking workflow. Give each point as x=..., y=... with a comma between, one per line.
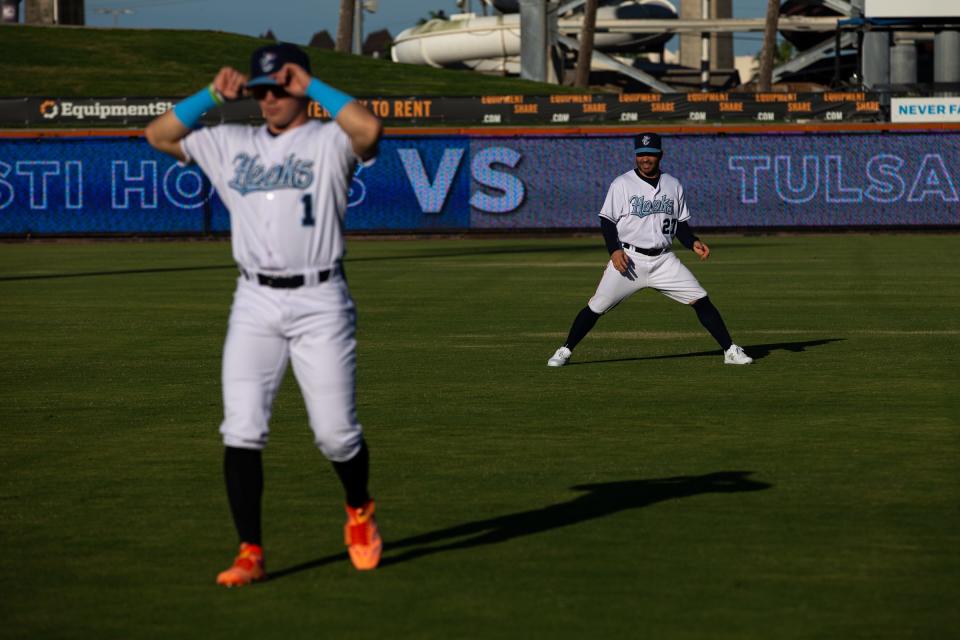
x=491, y=44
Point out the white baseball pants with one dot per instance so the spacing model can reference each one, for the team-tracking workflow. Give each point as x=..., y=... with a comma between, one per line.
x=314, y=326
x=665, y=273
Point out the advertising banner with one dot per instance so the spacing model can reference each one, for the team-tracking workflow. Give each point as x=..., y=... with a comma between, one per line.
x=925, y=109
x=786, y=180
x=913, y=9
x=693, y=107
x=102, y=185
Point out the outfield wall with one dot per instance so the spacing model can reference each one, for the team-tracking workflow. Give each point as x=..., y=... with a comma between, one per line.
x=115, y=184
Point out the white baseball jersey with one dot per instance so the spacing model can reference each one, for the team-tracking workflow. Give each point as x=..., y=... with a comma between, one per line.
x=645, y=216
x=287, y=196
x=287, y=193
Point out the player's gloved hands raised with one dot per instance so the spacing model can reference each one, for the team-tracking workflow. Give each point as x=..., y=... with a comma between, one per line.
x=229, y=82
x=701, y=250
x=620, y=260
x=293, y=78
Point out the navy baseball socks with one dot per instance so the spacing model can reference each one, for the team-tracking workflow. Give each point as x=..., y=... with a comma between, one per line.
x=354, y=474
x=243, y=472
x=581, y=326
x=711, y=320
x=360, y=533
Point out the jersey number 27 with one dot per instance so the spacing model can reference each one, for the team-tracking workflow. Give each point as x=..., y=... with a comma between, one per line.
x=669, y=227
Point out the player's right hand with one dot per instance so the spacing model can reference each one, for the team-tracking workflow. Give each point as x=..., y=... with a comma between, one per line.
x=620, y=260
x=701, y=249
x=230, y=82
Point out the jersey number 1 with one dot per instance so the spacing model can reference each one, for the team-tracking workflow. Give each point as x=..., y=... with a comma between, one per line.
x=308, y=219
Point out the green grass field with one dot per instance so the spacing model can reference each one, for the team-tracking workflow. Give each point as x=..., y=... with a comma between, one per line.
x=78, y=62
x=645, y=491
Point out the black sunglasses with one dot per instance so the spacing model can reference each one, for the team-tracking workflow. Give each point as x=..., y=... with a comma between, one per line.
x=260, y=92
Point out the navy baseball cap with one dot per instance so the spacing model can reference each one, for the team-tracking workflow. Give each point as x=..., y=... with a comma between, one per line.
x=647, y=143
x=269, y=59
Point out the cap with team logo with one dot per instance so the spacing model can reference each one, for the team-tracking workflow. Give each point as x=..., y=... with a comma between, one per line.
x=647, y=143
x=268, y=60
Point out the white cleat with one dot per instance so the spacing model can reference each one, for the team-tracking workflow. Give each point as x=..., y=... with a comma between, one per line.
x=735, y=355
x=560, y=357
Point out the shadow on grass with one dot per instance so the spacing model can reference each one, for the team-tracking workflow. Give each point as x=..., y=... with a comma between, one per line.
x=756, y=351
x=116, y=272
x=596, y=501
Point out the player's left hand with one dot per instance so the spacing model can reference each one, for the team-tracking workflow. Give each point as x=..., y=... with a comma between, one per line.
x=701, y=250
x=293, y=78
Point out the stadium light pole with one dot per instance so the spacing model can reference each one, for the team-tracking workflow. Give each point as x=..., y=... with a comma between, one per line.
x=370, y=6
x=116, y=13
x=357, y=41
x=534, y=38
x=705, y=49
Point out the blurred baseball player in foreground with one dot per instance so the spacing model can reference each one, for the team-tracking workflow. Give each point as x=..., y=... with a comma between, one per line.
x=644, y=210
x=285, y=184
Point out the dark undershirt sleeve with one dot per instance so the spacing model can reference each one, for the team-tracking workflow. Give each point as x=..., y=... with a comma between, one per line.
x=610, y=236
x=685, y=235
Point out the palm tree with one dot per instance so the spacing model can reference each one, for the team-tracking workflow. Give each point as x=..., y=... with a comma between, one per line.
x=769, y=45
x=345, y=26
x=586, y=45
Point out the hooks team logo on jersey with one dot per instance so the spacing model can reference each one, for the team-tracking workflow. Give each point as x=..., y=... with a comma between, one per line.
x=641, y=207
x=252, y=175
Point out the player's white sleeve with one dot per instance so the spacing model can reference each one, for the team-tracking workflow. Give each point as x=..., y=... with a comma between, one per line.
x=612, y=208
x=683, y=212
x=206, y=147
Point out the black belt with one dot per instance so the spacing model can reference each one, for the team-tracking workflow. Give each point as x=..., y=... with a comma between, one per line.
x=286, y=282
x=646, y=252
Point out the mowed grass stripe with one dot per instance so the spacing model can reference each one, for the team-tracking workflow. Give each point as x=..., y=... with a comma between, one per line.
x=672, y=335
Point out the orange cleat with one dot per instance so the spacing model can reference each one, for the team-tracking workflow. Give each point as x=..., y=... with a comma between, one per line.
x=362, y=537
x=247, y=567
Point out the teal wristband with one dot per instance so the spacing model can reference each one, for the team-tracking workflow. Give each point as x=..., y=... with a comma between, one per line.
x=329, y=98
x=190, y=111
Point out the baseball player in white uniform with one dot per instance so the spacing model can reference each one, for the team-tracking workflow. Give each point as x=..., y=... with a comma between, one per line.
x=285, y=184
x=644, y=210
